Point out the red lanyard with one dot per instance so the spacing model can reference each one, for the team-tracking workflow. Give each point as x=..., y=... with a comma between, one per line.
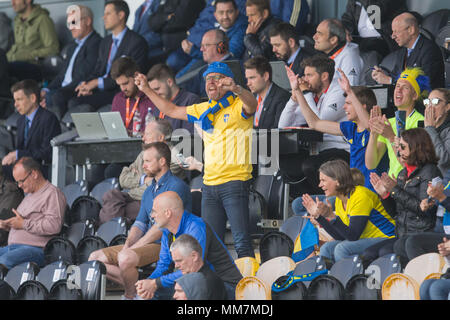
x=257, y=109
x=128, y=116
x=337, y=53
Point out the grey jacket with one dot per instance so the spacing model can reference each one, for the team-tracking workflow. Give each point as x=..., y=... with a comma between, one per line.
x=441, y=141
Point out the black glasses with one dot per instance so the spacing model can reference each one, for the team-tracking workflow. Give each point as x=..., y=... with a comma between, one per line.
x=20, y=182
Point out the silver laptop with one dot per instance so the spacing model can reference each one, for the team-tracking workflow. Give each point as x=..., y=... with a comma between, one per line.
x=89, y=126
x=279, y=75
x=113, y=124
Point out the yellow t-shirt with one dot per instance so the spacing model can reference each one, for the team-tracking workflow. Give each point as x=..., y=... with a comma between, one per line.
x=363, y=202
x=227, y=145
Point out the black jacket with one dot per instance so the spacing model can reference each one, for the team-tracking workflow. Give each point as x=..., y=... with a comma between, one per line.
x=425, y=55
x=4, y=78
x=258, y=44
x=83, y=65
x=404, y=202
x=273, y=106
x=303, y=54
x=132, y=45
x=173, y=29
x=45, y=127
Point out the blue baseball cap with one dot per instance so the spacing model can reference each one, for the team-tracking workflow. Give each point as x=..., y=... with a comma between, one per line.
x=219, y=67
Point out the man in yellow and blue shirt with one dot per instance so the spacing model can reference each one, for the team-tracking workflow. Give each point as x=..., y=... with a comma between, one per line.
x=226, y=121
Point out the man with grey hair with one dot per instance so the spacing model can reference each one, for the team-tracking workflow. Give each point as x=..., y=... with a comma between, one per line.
x=79, y=60
x=331, y=39
x=415, y=51
x=187, y=255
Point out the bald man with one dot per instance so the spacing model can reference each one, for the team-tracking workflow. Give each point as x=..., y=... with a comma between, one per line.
x=169, y=215
x=415, y=51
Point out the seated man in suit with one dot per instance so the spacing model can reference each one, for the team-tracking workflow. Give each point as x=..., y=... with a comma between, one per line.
x=34, y=38
x=35, y=128
x=38, y=218
x=415, y=51
x=286, y=46
x=162, y=80
x=98, y=89
x=271, y=98
x=79, y=62
x=331, y=39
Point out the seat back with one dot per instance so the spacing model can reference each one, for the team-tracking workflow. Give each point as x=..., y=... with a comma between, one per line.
x=399, y=286
x=111, y=229
x=326, y=287
x=359, y=287
x=93, y=280
x=296, y=291
x=272, y=189
x=84, y=208
x=32, y=290
x=74, y=190
x=436, y=20
x=6, y=139
x=99, y=189
x=79, y=230
x=271, y=270
x=420, y=267
x=247, y=266
x=6, y=292
x=381, y=268
x=344, y=269
x=257, y=209
x=61, y=291
x=275, y=244
x=252, y=288
x=52, y=273
x=308, y=266
x=293, y=226
x=21, y=273
x=87, y=245
x=60, y=249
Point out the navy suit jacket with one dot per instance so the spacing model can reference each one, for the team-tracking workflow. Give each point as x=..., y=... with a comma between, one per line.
x=44, y=127
x=83, y=65
x=273, y=106
x=133, y=45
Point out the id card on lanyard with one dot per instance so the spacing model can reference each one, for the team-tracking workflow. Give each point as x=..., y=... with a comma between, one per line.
x=128, y=115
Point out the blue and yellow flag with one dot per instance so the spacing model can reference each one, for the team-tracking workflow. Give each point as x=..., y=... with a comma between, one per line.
x=305, y=242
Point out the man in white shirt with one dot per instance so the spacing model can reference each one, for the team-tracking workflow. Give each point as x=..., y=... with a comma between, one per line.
x=331, y=39
x=326, y=98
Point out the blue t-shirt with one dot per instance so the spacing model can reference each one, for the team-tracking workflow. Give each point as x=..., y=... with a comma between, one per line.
x=168, y=182
x=358, y=143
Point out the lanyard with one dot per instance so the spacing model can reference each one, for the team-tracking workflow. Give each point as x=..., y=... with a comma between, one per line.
x=337, y=53
x=129, y=116
x=258, y=114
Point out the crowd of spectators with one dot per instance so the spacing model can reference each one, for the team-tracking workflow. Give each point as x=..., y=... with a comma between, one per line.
x=206, y=67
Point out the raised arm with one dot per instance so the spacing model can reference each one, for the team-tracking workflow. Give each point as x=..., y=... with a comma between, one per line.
x=165, y=106
x=314, y=122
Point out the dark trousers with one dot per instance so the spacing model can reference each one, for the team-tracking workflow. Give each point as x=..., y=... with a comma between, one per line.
x=378, y=250
x=22, y=70
x=58, y=99
x=412, y=246
x=96, y=100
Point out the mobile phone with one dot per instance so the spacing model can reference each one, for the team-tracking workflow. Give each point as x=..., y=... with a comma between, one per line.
x=182, y=160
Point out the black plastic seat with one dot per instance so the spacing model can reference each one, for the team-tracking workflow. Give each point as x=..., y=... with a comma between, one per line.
x=344, y=269
x=297, y=291
x=21, y=273
x=52, y=273
x=84, y=208
x=61, y=291
x=293, y=226
x=275, y=244
x=101, y=188
x=309, y=266
x=87, y=245
x=60, y=249
x=74, y=190
x=93, y=280
x=78, y=231
x=111, y=229
x=32, y=290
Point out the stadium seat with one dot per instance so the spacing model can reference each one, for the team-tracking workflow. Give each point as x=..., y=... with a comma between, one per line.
x=52, y=273
x=247, y=266
x=21, y=273
x=383, y=267
x=6, y=139
x=6, y=292
x=78, y=231
x=74, y=190
x=257, y=209
x=406, y=285
x=275, y=244
x=61, y=291
x=252, y=288
x=108, y=231
x=11, y=121
x=436, y=20
x=308, y=266
x=99, y=189
x=87, y=245
x=272, y=189
x=293, y=226
x=93, y=280
x=32, y=290
x=271, y=270
x=60, y=249
x=296, y=291
x=84, y=208
x=344, y=269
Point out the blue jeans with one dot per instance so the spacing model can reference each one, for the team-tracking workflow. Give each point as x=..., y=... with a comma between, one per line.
x=229, y=201
x=15, y=254
x=299, y=209
x=337, y=249
x=435, y=289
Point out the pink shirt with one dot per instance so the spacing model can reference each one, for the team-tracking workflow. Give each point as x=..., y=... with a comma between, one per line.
x=43, y=214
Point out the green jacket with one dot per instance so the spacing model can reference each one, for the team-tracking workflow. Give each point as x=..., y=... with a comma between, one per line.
x=34, y=38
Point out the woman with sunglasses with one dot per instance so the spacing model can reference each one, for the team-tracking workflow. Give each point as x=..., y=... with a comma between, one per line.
x=406, y=198
x=437, y=124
